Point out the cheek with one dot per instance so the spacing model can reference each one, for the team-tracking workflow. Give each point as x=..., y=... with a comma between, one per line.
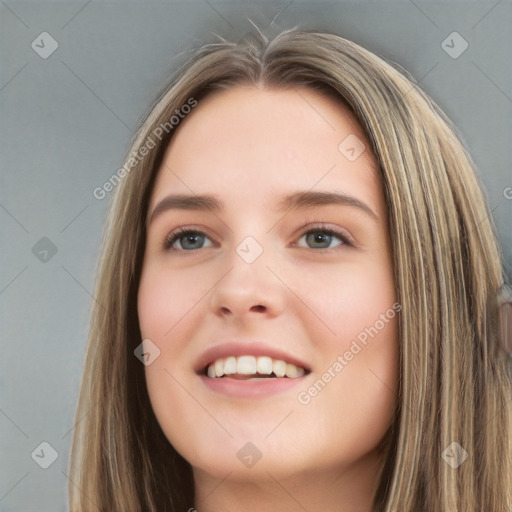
x=355, y=392
x=356, y=384
x=171, y=308
x=168, y=316
x=348, y=299
x=164, y=300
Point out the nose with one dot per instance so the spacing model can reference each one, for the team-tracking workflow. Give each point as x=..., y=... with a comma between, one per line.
x=248, y=290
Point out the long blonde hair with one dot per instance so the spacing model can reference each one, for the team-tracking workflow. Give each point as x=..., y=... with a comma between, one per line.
x=455, y=377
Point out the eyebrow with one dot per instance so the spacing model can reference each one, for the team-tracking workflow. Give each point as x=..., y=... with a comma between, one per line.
x=310, y=199
x=297, y=200
x=186, y=202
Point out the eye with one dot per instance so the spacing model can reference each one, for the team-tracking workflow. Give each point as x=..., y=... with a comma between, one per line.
x=322, y=239
x=187, y=240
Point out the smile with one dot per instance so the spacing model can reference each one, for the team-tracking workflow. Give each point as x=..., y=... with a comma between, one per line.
x=251, y=367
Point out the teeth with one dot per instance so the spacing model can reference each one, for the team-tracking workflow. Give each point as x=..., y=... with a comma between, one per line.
x=246, y=365
x=264, y=365
x=219, y=367
x=279, y=367
x=230, y=366
x=250, y=365
x=293, y=371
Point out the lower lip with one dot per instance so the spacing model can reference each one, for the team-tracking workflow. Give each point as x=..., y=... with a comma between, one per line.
x=250, y=388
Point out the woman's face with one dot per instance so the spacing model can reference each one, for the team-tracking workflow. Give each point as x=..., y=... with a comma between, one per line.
x=284, y=267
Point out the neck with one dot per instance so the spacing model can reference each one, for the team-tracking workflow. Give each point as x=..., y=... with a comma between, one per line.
x=349, y=489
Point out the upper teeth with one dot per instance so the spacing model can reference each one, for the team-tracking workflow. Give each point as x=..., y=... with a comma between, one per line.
x=251, y=365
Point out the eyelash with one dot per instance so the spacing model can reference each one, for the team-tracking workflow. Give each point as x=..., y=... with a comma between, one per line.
x=181, y=232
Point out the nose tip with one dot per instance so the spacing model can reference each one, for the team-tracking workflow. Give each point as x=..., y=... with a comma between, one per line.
x=247, y=289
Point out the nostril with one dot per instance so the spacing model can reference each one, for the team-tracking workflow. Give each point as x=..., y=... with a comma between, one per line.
x=258, y=308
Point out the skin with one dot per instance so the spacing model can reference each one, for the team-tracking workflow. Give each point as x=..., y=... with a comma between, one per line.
x=249, y=146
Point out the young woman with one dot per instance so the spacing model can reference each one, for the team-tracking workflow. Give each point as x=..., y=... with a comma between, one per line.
x=297, y=303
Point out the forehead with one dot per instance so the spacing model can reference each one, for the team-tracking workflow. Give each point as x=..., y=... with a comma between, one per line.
x=252, y=142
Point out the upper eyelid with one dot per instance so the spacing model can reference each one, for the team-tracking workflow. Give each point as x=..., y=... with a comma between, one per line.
x=182, y=231
x=324, y=226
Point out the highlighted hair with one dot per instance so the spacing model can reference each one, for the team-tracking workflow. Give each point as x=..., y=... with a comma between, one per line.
x=455, y=377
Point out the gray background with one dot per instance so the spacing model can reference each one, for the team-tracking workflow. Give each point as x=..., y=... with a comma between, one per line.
x=66, y=123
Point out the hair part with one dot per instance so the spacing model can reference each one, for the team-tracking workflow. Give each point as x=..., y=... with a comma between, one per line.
x=455, y=379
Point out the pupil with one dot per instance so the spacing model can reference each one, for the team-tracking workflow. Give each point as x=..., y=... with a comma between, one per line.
x=320, y=238
x=191, y=241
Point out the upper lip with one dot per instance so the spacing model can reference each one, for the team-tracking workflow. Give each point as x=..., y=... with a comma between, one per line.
x=238, y=348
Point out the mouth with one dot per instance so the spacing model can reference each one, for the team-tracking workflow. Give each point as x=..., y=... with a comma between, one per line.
x=248, y=369
x=254, y=368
